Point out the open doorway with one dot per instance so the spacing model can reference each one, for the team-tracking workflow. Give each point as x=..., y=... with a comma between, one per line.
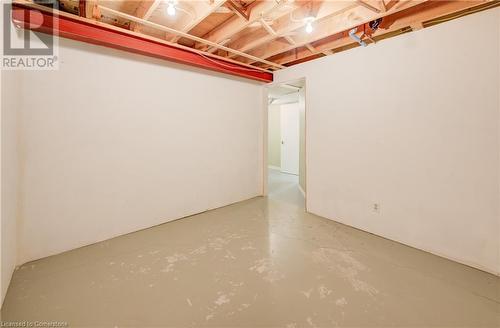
x=286, y=143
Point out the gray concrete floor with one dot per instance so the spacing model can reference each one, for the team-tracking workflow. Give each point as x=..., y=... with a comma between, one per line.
x=284, y=187
x=259, y=263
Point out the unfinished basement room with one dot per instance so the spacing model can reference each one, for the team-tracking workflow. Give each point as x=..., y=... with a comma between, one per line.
x=250, y=163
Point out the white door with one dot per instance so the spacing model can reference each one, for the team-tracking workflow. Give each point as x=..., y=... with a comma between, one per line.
x=290, y=138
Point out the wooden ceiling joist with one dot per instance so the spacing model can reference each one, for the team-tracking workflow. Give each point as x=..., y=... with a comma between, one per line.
x=238, y=9
x=201, y=11
x=185, y=35
x=368, y=6
x=266, y=35
x=335, y=24
x=144, y=11
x=382, y=5
x=295, y=21
x=28, y=15
x=413, y=17
x=262, y=9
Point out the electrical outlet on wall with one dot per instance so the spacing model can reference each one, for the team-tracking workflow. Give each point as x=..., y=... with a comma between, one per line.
x=376, y=207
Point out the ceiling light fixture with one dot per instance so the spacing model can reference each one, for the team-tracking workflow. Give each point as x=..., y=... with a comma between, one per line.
x=309, y=28
x=309, y=20
x=171, y=8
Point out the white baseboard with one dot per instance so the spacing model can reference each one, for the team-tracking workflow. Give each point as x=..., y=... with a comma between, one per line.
x=272, y=167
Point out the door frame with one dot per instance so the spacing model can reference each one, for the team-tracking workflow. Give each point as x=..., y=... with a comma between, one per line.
x=265, y=124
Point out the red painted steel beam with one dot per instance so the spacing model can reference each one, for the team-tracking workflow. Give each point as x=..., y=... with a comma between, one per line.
x=75, y=29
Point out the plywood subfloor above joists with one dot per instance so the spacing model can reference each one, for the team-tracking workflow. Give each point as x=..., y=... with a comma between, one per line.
x=271, y=34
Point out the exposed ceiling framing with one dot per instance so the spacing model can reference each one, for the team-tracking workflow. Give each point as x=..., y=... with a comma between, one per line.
x=268, y=35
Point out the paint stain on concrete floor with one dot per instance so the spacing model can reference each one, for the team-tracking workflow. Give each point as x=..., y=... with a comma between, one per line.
x=258, y=263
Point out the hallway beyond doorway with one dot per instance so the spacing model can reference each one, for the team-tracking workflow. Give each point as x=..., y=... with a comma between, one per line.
x=284, y=187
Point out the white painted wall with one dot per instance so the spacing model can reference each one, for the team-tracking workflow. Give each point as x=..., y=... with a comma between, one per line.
x=10, y=85
x=9, y=179
x=114, y=142
x=411, y=123
x=274, y=136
